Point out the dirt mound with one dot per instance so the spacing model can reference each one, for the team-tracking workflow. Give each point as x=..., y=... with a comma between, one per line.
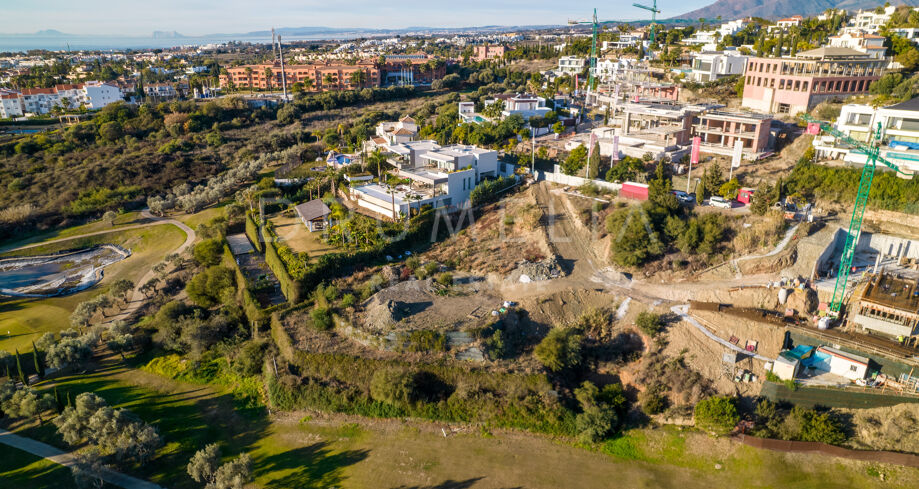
x=527, y=271
x=888, y=428
x=392, y=304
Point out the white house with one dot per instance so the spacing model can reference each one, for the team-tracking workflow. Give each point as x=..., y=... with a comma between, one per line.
x=784, y=24
x=571, y=64
x=522, y=104
x=626, y=39
x=870, y=44
x=844, y=364
x=712, y=65
x=713, y=36
x=401, y=131
x=911, y=33
x=899, y=133
x=869, y=21
x=10, y=104
x=786, y=366
x=97, y=94
x=440, y=177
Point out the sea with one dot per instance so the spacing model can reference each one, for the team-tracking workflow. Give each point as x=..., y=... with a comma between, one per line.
x=17, y=43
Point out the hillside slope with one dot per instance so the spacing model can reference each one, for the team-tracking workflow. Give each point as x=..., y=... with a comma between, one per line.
x=774, y=9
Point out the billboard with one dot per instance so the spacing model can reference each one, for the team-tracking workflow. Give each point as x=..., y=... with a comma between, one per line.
x=696, y=149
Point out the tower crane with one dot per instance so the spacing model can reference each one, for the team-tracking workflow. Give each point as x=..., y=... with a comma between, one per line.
x=872, y=150
x=654, y=11
x=593, y=43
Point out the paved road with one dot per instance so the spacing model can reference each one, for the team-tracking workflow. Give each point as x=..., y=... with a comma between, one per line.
x=138, y=298
x=48, y=452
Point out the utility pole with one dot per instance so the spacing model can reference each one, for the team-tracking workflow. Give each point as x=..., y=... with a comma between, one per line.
x=283, y=74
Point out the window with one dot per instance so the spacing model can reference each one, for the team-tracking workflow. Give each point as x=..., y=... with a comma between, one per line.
x=853, y=368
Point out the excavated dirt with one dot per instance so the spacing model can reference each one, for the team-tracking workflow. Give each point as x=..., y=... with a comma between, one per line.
x=889, y=428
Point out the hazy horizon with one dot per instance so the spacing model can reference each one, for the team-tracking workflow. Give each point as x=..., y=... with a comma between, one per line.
x=195, y=18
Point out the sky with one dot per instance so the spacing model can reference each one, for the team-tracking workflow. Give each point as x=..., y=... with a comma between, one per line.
x=200, y=17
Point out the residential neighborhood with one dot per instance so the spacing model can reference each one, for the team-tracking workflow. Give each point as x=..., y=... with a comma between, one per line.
x=425, y=246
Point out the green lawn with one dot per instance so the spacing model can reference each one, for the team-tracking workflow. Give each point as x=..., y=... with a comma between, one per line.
x=24, y=320
x=126, y=219
x=20, y=469
x=316, y=451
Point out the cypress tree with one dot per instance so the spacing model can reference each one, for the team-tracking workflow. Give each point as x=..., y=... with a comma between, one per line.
x=69, y=404
x=8, y=371
x=39, y=363
x=22, y=375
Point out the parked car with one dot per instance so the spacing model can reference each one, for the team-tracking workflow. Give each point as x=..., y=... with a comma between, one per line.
x=684, y=198
x=720, y=202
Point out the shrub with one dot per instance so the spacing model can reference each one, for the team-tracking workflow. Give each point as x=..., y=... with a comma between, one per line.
x=717, y=414
x=208, y=252
x=426, y=340
x=213, y=286
x=348, y=300
x=445, y=279
x=322, y=318
x=560, y=349
x=395, y=386
x=649, y=323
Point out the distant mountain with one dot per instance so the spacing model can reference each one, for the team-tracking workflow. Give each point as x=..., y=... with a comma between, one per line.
x=776, y=9
x=49, y=33
x=167, y=35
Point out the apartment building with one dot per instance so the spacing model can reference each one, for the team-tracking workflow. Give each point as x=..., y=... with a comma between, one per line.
x=713, y=65
x=899, y=142
x=870, y=44
x=10, y=104
x=91, y=95
x=486, y=52
x=316, y=77
x=792, y=85
x=571, y=65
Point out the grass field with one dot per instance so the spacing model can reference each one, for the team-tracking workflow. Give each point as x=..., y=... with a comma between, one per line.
x=24, y=470
x=294, y=234
x=24, y=320
x=318, y=451
x=126, y=219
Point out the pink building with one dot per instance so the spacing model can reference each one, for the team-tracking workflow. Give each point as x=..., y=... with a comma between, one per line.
x=793, y=85
x=485, y=52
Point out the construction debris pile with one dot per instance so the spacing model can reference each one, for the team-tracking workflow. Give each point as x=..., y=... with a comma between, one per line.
x=527, y=271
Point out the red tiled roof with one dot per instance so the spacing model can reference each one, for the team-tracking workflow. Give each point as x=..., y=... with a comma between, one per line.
x=38, y=91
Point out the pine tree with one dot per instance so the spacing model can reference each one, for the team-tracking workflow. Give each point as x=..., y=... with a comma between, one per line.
x=22, y=375
x=39, y=363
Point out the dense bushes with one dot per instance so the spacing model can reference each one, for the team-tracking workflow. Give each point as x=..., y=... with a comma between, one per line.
x=888, y=191
x=489, y=190
x=560, y=349
x=717, y=414
x=215, y=285
x=342, y=383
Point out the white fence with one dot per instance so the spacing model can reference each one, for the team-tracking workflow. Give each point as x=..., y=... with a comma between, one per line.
x=562, y=179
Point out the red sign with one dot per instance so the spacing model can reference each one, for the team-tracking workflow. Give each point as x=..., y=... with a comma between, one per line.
x=813, y=128
x=696, y=148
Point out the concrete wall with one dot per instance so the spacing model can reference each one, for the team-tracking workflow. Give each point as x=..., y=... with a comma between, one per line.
x=867, y=242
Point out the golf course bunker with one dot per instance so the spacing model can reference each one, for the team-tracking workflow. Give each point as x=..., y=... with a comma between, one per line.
x=59, y=274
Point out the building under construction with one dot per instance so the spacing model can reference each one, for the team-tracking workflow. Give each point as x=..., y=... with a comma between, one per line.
x=889, y=305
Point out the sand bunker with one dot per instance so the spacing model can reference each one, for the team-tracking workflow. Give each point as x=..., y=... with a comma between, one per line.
x=59, y=274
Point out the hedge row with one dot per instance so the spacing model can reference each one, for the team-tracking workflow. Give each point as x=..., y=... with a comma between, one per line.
x=291, y=288
x=250, y=305
x=252, y=233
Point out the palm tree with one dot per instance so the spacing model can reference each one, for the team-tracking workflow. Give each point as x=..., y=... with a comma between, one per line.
x=358, y=78
x=328, y=79
x=268, y=76
x=249, y=74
